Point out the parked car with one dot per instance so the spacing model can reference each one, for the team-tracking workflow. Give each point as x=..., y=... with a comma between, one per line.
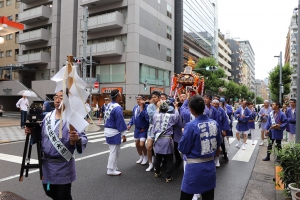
x=39, y=109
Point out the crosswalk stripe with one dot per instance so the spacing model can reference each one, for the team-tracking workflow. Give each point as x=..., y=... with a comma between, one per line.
x=94, y=133
x=103, y=139
x=245, y=155
x=15, y=159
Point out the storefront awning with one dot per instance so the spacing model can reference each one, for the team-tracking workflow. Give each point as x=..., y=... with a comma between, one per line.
x=7, y=26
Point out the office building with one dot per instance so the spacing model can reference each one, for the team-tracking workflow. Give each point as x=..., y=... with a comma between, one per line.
x=236, y=61
x=224, y=55
x=9, y=49
x=249, y=58
x=196, y=31
x=293, y=32
x=136, y=55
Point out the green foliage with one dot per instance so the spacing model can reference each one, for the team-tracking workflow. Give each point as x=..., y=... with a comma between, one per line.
x=232, y=90
x=274, y=81
x=290, y=162
x=213, y=79
x=259, y=100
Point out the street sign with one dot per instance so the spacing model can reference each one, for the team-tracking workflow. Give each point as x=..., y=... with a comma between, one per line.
x=96, y=85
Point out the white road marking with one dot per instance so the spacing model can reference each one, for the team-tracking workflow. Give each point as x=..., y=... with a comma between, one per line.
x=245, y=155
x=15, y=159
x=231, y=139
x=126, y=145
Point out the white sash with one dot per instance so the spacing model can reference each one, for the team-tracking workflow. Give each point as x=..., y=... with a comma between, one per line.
x=109, y=110
x=59, y=146
x=272, y=118
x=164, y=126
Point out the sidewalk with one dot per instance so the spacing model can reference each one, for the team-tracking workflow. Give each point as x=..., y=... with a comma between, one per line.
x=261, y=184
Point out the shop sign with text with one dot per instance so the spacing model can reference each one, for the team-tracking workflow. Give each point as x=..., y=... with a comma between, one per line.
x=107, y=90
x=152, y=89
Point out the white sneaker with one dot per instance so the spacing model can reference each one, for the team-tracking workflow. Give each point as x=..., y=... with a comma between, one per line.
x=145, y=160
x=262, y=143
x=253, y=143
x=150, y=167
x=113, y=172
x=217, y=162
x=238, y=145
x=140, y=160
x=243, y=147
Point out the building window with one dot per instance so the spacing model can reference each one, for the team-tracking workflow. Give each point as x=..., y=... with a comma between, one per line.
x=10, y=17
x=154, y=76
x=8, y=2
x=158, y=1
x=1, y=4
x=9, y=53
x=169, y=11
x=111, y=73
x=16, y=17
x=1, y=54
x=169, y=56
x=169, y=32
x=9, y=37
x=158, y=47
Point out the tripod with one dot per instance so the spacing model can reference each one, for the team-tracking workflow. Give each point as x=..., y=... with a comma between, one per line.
x=34, y=137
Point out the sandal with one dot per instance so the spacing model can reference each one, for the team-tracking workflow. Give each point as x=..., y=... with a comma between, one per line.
x=157, y=175
x=169, y=180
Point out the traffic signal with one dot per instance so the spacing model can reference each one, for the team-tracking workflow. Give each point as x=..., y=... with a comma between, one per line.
x=145, y=86
x=211, y=68
x=77, y=60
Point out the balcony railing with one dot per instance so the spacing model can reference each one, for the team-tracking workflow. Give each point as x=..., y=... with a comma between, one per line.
x=113, y=48
x=294, y=39
x=294, y=26
x=27, y=1
x=35, y=15
x=294, y=51
x=105, y=22
x=97, y=2
x=34, y=58
x=36, y=36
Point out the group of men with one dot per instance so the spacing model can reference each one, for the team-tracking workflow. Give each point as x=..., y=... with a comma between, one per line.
x=192, y=129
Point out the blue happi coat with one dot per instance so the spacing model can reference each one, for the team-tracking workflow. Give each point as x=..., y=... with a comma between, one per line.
x=201, y=139
x=115, y=121
x=251, y=122
x=280, y=118
x=58, y=172
x=211, y=112
x=229, y=112
x=222, y=119
x=242, y=124
x=291, y=120
x=139, y=119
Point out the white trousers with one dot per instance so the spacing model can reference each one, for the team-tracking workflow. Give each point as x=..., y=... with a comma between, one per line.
x=291, y=138
x=114, y=151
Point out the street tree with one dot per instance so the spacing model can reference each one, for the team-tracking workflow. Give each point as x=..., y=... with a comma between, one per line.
x=214, y=80
x=274, y=81
x=232, y=90
x=259, y=100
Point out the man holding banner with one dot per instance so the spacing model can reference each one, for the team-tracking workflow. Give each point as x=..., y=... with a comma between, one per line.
x=57, y=153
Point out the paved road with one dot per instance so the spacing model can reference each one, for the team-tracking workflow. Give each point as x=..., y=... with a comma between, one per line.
x=134, y=183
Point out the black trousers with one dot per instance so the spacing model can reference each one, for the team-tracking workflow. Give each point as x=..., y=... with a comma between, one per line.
x=270, y=144
x=169, y=163
x=59, y=192
x=224, y=149
x=210, y=195
x=178, y=158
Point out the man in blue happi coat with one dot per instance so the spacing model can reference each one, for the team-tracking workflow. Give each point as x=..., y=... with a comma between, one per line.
x=242, y=114
x=114, y=130
x=291, y=116
x=275, y=126
x=222, y=120
x=141, y=121
x=200, y=140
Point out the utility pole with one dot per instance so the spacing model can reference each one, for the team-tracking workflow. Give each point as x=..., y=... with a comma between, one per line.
x=298, y=82
x=280, y=78
x=90, y=76
x=85, y=30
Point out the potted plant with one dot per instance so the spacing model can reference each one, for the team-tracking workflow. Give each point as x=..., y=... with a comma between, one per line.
x=289, y=160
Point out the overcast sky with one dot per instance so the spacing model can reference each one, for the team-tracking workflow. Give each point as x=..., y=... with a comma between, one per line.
x=263, y=22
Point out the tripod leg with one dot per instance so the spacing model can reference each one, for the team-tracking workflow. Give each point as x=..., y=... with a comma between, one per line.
x=38, y=147
x=29, y=156
x=24, y=158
